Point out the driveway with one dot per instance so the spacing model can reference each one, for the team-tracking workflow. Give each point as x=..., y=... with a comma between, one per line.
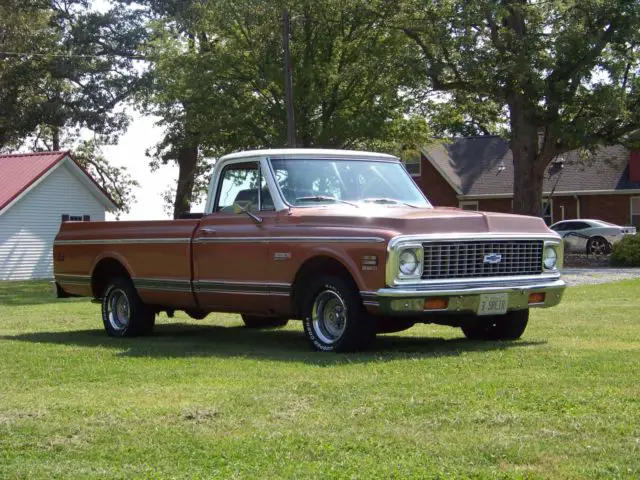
x=584, y=276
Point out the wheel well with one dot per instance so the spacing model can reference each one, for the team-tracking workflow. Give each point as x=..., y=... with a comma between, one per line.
x=314, y=267
x=106, y=269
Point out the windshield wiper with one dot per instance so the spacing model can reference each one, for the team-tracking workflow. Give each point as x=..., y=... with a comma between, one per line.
x=324, y=198
x=386, y=200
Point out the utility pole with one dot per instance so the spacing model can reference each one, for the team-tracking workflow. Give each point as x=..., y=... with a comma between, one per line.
x=288, y=84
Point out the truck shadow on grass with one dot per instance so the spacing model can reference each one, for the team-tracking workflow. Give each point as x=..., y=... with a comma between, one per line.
x=184, y=340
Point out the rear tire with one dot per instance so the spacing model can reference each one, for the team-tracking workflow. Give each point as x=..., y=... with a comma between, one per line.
x=598, y=246
x=256, y=321
x=509, y=326
x=334, y=318
x=123, y=312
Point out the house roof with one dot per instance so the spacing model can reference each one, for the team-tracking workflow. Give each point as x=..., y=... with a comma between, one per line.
x=483, y=166
x=20, y=171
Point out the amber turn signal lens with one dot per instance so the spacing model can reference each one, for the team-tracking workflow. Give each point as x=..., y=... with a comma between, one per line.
x=536, y=298
x=436, y=304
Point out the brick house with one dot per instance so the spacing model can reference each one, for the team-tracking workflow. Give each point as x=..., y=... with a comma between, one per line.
x=476, y=173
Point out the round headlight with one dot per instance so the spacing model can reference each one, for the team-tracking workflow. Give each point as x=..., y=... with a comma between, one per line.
x=550, y=258
x=408, y=262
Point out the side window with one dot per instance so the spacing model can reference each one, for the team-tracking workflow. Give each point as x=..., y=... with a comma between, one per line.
x=561, y=227
x=580, y=225
x=242, y=184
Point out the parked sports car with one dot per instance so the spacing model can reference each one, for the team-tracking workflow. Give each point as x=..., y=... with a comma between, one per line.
x=590, y=236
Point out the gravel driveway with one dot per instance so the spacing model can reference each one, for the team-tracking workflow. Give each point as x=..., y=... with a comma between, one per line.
x=584, y=276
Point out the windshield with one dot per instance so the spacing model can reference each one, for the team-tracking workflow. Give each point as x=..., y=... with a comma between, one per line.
x=352, y=182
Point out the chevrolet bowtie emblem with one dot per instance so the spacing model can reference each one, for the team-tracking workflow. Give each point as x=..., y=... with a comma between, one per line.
x=492, y=258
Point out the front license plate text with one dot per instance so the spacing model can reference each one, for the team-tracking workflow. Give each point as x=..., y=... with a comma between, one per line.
x=493, y=304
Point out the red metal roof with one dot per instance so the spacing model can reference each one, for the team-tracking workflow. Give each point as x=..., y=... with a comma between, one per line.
x=20, y=170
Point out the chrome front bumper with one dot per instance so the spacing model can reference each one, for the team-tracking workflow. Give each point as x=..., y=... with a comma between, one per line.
x=461, y=297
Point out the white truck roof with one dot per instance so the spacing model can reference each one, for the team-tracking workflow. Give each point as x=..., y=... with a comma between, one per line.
x=307, y=153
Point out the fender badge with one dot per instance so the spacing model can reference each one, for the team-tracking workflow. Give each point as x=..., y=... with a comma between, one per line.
x=369, y=262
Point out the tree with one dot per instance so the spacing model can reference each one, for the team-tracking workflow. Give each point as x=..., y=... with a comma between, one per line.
x=565, y=70
x=67, y=69
x=24, y=27
x=219, y=79
x=118, y=183
x=178, y=93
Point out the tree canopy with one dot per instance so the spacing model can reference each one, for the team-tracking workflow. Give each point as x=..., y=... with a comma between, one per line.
x=565, y=72
x=219, y=80
x=551, y=75
x=67, y=68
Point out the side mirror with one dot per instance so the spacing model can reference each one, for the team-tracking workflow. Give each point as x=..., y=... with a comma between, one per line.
x=245, y=207
x=241, y=206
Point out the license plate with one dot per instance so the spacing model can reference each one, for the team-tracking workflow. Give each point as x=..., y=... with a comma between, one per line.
x=493, y=304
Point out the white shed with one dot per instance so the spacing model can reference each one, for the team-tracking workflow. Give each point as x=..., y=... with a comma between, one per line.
x=38, y=191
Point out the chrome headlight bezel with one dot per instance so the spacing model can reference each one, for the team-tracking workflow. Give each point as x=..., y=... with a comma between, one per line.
x=394, y=272
x=552, y=251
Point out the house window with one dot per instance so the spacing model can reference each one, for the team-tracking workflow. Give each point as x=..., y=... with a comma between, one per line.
x=635, y=211
x=75, y=218
x=469, y=205
x=547, y=211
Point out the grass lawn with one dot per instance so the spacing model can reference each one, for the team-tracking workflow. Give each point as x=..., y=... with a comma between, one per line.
x=211, y=399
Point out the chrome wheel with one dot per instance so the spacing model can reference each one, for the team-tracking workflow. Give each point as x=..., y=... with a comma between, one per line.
x=329, y=316
x=598, y=246
x=118, y=310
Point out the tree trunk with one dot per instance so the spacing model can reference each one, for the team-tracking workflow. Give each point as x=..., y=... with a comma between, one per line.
x=55, y=134
x=527, y=181
x=187, y=163
x=528, y=167
x=188, y=154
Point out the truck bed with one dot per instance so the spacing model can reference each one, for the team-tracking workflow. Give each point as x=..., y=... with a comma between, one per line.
x=147, y=249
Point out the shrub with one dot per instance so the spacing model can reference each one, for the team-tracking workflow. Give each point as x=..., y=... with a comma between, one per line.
x=626, y=253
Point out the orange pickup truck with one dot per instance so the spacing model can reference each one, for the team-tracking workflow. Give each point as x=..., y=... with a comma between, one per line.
x=344, y=241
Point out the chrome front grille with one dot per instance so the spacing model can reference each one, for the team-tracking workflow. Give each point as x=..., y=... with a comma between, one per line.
x=482, y=259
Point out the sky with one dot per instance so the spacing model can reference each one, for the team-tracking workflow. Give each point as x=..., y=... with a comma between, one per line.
x=130, y=152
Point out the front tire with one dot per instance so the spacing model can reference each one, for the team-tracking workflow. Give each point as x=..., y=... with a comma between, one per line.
x=123, y=312
x=255, y=321
x=509, y=326
x=334, y=318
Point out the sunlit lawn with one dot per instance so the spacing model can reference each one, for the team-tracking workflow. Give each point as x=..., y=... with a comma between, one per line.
x=212, y=399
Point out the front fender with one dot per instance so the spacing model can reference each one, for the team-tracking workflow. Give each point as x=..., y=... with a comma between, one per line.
x=351, y=258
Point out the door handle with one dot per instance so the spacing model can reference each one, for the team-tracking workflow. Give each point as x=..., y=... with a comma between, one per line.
x=207, y=231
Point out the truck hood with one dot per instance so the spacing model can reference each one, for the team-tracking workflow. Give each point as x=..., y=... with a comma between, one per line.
x=411, y=221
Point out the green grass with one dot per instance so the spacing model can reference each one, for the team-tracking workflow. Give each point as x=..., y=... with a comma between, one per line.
x=211, y=399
